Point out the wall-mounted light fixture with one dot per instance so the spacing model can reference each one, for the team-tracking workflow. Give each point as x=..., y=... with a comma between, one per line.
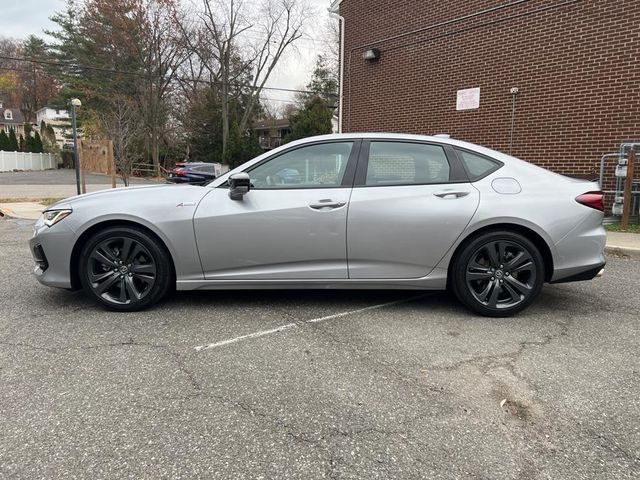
x=371, y=55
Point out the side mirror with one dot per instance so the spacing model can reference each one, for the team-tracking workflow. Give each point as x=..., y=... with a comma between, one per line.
x=239, y=185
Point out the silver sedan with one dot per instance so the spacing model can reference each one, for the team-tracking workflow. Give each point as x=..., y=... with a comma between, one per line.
x=376, y=211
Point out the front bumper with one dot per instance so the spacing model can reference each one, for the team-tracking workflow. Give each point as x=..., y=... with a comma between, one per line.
x=51, y=249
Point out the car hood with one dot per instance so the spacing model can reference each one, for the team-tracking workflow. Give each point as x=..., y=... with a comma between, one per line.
x=151, y=192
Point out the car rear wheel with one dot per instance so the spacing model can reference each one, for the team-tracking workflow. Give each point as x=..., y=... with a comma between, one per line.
x=125, y=269
x=498, y=274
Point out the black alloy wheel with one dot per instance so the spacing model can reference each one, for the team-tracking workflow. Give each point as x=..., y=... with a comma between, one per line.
x=498, y=274
x=125, y=269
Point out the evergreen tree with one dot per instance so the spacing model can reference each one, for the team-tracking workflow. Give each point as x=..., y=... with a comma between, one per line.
x=313, y=119
x=241, y=147
x=4, y=141
x=13, y=141
x=324, y=82
x=37, y=143
x=28, y=138
x=21, y=143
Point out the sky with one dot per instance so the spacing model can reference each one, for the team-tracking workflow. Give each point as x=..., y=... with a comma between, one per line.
x=21, y=18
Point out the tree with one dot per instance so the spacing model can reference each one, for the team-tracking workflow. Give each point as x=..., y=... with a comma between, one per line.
x=324, y=83
x=13, y=141
x=121, y=49
x=21, y=144
x=48, y=136
x=10, y=71
x=37, y=83
x=37, y=143
x=28, y=138
x=123, y=126
x=4, y=141
x=236, y=40
x=241, y=147
x=313, y=119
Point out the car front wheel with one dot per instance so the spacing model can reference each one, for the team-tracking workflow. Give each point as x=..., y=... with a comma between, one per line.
x=498, y=274
x=125, y=269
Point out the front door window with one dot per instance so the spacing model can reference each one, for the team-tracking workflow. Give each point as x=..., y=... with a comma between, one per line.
x=315, y=166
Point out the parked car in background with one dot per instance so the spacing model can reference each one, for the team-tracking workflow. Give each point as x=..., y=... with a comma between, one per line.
x=195, y=173
x=376, y=211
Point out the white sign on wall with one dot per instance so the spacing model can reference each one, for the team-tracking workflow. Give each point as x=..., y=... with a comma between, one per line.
x=468, y=99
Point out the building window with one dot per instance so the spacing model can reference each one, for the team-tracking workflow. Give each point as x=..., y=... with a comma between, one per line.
x=8, y=115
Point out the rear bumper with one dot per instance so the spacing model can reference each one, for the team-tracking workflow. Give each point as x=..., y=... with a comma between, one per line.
x=589, y=273
x=580, y=254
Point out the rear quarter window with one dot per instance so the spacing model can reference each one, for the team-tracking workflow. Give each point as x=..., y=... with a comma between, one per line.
x=477, y=166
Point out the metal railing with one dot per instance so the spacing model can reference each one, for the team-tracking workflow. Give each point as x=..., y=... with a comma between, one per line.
x=268, y=143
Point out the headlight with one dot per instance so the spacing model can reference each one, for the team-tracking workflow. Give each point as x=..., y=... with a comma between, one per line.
x=51, y=217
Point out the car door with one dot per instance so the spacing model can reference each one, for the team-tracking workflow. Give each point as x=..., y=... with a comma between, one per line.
x=290, y=225
x=410, y=202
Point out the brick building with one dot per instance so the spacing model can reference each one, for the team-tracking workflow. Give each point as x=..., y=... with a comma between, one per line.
x=576, y=65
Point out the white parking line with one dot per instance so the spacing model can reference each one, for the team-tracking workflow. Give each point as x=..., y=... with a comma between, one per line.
x=262, y=333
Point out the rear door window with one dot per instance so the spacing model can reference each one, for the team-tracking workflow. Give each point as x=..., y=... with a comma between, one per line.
x=400, y=163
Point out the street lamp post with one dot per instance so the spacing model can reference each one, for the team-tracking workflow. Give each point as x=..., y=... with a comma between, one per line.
x=75, y=103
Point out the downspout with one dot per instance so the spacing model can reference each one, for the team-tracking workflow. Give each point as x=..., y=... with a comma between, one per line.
x=332, y=13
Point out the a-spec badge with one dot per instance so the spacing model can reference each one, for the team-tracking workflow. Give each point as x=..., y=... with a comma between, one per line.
x=186, y=204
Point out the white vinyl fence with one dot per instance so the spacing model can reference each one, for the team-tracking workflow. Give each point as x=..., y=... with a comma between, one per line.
x=27, y=161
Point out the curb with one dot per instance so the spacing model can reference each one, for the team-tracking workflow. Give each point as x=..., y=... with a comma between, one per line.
x=627, y=252
x=9, y=213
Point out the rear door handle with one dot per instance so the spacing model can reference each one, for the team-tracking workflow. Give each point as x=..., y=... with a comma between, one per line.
x=327, y=203
x=448, y=194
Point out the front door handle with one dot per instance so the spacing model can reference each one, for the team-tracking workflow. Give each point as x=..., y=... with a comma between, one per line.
x=448, y=194
x=327, y=203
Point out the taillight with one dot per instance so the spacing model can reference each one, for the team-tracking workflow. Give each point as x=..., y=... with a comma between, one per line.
x=592, y=200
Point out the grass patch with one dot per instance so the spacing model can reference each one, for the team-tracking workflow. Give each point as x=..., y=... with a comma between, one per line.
x=615, y=227
x=44, y=201
x=50, y=201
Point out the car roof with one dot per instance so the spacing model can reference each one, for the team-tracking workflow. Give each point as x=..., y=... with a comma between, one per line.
x=440, y=138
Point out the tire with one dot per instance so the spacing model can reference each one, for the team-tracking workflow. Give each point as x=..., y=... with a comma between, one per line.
x=498, y=273
x=125, y=269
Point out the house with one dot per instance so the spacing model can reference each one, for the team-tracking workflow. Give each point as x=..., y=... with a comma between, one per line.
x=11, y=118
x=555, y=83
x=271, y=132
x=60, y=121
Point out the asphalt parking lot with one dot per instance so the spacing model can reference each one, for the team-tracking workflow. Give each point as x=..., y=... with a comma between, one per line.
x=58, y=177
x=356, y=385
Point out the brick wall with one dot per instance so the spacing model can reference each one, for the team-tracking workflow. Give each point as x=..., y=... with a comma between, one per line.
x=576, y=64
